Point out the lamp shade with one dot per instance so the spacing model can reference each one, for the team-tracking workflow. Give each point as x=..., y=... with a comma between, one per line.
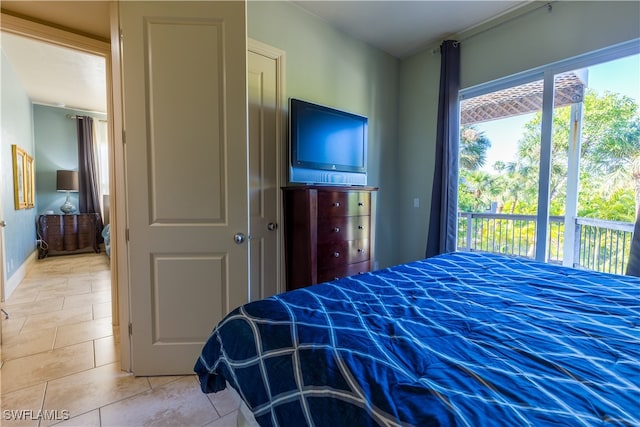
x=67, y=180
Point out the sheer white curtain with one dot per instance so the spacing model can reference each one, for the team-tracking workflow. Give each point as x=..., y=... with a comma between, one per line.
x=101, y=153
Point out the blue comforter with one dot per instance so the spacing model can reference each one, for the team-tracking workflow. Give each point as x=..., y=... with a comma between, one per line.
x=464, y=339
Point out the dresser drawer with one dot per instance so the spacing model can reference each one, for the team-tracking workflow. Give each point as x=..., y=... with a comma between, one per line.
x=52, y=230
x=86, y=231
x=334, y=229
x=329, y=274
x=339, y=203
x=343, y=252
x=70, y=232
x=328, y=232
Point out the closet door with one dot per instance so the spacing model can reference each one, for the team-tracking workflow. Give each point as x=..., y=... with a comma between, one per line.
x=185, y=101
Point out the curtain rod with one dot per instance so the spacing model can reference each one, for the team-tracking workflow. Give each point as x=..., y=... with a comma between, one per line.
x=548, y=5
x=72, y=116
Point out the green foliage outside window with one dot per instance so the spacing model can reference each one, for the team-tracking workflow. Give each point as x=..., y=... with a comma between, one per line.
x=609, y=182
x=609, y=166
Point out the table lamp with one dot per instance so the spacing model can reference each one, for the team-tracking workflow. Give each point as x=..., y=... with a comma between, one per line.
x=67, y=181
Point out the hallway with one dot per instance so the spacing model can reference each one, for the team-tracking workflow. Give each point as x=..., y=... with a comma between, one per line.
x=60, y=359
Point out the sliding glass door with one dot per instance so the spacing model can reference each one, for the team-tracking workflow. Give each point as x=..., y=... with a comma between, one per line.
x=499, y=169
x=547, y=156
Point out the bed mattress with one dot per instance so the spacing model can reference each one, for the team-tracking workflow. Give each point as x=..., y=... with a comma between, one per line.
x=463, y=339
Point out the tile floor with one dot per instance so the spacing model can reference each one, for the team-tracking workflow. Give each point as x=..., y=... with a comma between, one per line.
x=60, y=359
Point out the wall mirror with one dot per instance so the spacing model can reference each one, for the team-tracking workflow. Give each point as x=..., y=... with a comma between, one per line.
x=23, y=179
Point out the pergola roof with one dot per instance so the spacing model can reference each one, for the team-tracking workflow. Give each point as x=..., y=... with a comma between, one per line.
x=526, y=98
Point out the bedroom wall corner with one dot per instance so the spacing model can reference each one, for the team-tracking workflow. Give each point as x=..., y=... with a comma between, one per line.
x=418, y=112
x=328, y=67
x=56, y=147
x=499, y=48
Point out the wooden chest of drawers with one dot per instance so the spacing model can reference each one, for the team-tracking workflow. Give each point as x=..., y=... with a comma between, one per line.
x=68, y=232
x=328, y=233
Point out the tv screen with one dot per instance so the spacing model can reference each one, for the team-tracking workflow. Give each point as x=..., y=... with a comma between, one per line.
x=327, y=139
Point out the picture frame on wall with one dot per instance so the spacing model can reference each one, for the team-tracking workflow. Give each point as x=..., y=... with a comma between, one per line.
x=23, y=178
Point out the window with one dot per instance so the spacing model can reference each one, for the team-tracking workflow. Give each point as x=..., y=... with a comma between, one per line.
x=546, y=162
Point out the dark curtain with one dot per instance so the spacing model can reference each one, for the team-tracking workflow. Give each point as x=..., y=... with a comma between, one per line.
x=88, y=199
x=633, y=267
x=444, y=195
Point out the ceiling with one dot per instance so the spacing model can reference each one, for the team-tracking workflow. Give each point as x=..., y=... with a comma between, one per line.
x=62, y=77
x=402, y=28
x=57, y=76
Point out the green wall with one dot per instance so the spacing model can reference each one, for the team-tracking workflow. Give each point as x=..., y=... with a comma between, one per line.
x=497, y=49
x=328, y=67
x=400, y=96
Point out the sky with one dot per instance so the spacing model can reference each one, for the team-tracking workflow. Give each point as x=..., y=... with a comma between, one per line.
x=621, y=75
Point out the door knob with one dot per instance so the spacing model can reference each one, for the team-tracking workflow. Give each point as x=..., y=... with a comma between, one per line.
x=272, y=226
x=239, y=238
x=3, y=223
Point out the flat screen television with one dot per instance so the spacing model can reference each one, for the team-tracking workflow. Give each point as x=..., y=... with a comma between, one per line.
x=327, y=146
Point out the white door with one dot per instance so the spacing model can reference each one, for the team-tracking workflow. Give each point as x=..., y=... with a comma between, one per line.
x=264, y=172
x=185, y=103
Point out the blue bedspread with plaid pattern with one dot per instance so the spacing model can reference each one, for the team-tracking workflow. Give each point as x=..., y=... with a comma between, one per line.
x=464, y=339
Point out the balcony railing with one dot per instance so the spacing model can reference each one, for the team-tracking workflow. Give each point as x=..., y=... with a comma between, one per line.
x=597, y=244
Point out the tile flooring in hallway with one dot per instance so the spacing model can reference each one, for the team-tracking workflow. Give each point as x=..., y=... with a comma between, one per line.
x=60, y=359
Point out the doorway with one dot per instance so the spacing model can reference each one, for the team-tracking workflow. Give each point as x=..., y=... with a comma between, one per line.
x=43, y=35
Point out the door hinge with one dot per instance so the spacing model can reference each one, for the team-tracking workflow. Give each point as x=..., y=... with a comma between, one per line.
x=130, y=329
x=126, y=234
x=121, y=34
x=124, y=136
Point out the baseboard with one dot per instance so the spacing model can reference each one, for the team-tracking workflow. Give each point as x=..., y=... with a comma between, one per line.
x=16, y=278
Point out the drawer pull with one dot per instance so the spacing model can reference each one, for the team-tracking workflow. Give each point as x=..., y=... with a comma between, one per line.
x=336, y=254
x=336, y=204
x=336, y=229
x=361, y=227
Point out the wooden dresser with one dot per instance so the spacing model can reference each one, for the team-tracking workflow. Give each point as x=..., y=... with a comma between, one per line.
x=328, y=233
x=68, y=233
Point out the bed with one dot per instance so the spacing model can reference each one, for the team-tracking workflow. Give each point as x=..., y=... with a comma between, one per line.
x=106, y=237
x=462, y=339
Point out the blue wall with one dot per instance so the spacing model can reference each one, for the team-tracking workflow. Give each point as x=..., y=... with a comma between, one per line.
x=49, y=136
x=56, y=148
x=16, y=121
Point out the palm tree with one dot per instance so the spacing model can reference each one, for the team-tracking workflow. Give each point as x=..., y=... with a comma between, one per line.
x=473, y=148
x=610, y=152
